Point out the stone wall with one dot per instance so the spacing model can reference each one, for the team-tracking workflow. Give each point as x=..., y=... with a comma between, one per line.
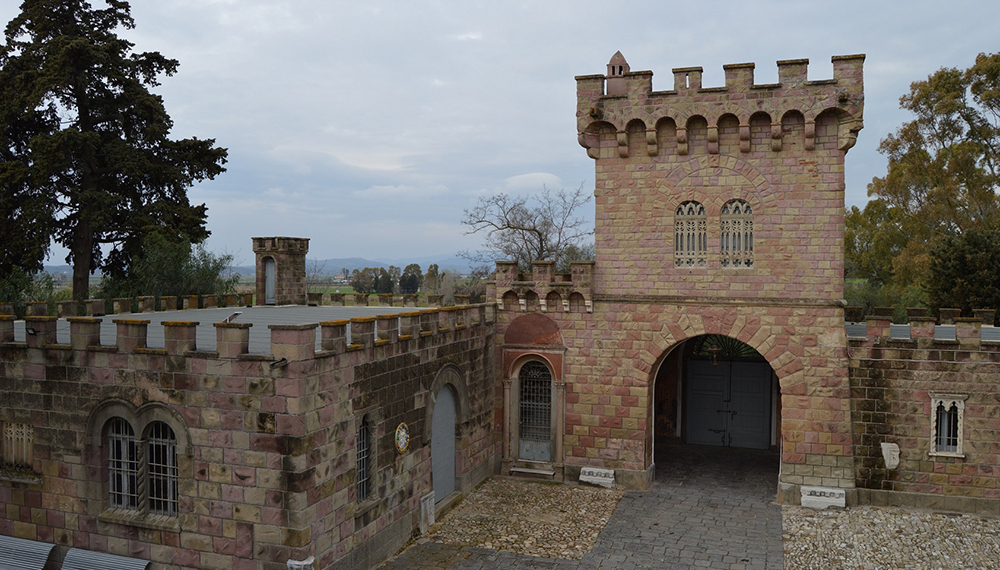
x=892, y=382
x=289, y=257
x=266, y=442
x=777, y=148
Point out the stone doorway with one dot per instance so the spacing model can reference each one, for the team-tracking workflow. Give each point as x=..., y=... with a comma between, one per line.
x=715, y=390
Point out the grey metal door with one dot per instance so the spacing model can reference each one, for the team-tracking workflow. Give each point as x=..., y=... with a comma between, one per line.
x=269, y=281
x=535, y=412
x=729, y=404
x=443, y=445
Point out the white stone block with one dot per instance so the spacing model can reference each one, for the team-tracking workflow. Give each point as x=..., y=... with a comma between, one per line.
x=426, y=512
x=890, y=452
x=307, y=564
x=823, y=497
x=595, y=476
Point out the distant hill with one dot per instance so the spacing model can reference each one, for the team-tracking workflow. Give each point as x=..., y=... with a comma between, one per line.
x=334, y=266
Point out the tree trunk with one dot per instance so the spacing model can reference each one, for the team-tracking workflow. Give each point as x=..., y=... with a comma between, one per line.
x=83, y=246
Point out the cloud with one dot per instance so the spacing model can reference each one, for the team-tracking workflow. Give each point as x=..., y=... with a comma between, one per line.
x=473, y=36
x=533, y=181
x=401, y=192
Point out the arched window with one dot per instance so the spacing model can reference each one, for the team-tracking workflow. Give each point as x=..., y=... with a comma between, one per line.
x=690, y=236
x=535, y=412
x=364, y=459
x=736, y=239
x=123, y=466
x=161, y=450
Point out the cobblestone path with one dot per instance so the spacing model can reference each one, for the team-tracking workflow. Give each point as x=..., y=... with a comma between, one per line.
x=708, y=508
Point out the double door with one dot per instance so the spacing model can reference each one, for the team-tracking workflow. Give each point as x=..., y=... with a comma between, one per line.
x=729, y=403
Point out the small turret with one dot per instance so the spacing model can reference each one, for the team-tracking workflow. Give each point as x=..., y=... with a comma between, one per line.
x=617, y=68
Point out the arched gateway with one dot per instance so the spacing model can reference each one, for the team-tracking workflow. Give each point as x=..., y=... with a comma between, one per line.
x=715, y=390
x=712, y=313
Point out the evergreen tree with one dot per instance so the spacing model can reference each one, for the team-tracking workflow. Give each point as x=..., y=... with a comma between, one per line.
x=85, y=154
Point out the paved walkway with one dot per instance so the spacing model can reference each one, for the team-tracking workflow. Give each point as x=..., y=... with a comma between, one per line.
x=708, y=508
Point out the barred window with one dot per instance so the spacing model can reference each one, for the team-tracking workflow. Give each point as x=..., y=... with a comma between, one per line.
x=162, y=452
x=364, y=459
x=947, y=411
x=123, y=466
x=736, y=239
x=690, y=235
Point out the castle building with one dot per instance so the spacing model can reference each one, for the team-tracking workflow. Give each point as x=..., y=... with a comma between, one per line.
x=713, y=314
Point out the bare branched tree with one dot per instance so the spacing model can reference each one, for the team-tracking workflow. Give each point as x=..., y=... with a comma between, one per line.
x=528, y=228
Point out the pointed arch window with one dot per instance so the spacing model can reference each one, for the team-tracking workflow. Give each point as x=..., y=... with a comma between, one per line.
x=947, y=429
x=736, y=239
x=690, y=235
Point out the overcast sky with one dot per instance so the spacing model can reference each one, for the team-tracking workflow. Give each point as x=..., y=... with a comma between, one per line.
x=368, y=126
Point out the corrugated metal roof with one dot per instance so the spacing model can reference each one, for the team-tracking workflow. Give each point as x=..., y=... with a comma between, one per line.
x=21, y=554
x=991, y=333
x=944, y=332
x=899, y=331
x=856, y=330
x=77, y=559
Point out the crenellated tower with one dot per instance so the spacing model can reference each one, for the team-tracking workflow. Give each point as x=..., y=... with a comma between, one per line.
x=732, y=191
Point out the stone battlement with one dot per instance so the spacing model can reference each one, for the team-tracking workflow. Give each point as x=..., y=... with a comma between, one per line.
x=295, y=342
x=543, y=288
x=947, y=331
x=624, y=103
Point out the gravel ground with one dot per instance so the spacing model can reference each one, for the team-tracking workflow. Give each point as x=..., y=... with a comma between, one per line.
x=563, y=521
x=537, y=519
x=887, y=538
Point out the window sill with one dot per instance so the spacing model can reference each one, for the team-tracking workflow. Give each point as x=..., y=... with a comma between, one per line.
x=26, y=476
x=954, y=454
x=141, y=520
x=366, y=506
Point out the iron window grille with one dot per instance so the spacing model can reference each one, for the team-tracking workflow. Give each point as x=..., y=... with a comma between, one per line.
x=535, y=401
x=690, y=235
x=736, y=239
x=162, y=470
x=123, y=466
x=947, y=419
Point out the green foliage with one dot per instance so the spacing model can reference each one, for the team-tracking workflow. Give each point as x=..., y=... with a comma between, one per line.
x=432, y=280
x=364, y=281
x=868, y=294
x=965, y=271
x=85, y=158
x=172, y=268
x=18, y=288
x=411, y=279
x=942, y=178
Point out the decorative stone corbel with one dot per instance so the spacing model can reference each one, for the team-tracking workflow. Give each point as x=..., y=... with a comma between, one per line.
x=651, y=147
x=744, y=138
x=682, y=140
x=713, y=139
x=847, y=134
x=776, y=137
x=591, y=142
x=623, y=144
x=810, y=131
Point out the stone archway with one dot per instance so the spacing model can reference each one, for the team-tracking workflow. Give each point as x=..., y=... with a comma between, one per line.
x=715, y=390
